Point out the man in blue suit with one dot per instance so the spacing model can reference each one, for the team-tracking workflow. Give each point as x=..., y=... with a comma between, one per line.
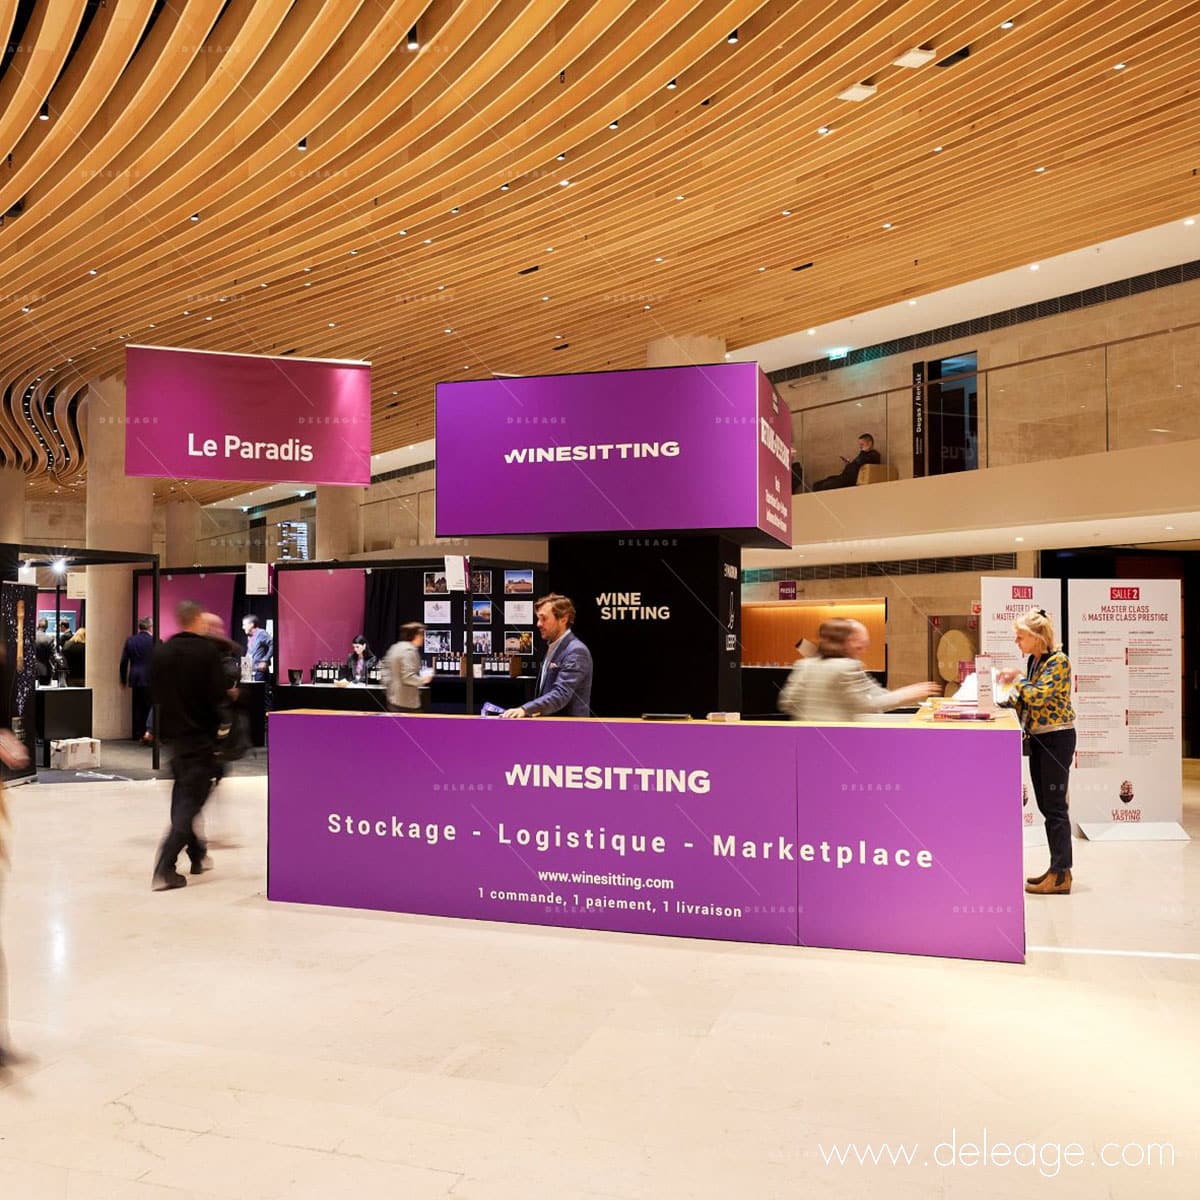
x=565, y=682
x=135, y=674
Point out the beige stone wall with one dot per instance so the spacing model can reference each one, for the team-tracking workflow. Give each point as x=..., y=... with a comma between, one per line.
x=911, y=601
x=56, y=522
x=1125, y=374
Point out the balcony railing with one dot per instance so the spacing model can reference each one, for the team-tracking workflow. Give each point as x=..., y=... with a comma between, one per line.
x=1136, y=391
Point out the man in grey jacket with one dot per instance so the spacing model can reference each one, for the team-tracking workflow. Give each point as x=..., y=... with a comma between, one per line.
x=402, y=669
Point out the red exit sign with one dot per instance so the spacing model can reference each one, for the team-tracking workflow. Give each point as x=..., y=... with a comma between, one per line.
x=1125, y=593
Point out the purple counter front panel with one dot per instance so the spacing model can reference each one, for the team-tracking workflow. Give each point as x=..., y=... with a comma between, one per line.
x=874, y=839
x=509, y=856
x=199, y=415
x=923, y=829
x=675, y=448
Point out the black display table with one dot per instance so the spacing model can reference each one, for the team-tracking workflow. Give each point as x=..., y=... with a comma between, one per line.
x=446, y=694
x=252, y=699
x=62, y=713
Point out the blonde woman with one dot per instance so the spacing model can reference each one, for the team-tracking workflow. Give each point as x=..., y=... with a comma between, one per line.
x=12, y=754
x=1042, y=699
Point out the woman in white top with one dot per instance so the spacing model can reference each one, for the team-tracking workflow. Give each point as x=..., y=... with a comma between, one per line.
x=835, y=687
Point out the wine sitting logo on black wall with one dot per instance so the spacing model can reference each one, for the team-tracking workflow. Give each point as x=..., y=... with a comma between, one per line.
x=661, y=615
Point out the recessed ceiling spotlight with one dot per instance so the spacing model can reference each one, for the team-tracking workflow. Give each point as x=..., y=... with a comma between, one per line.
x=887, y=225
x=672, y=85
x=1007, y=24
x=404, y=233
x=564, y=183
x=811, y=332
x=645, y=308
x=454, y=211
x=353, y=252
x=504, y=187
x=562, y=158
x=92, y=271
x=414, y=42
x=1118, y=66
x=25, y=308
x=44, y=111
x=549, y=249
x=680, y=197
x=1168, y=527
x=302, y=145
x=332, y=324
x=545, y=298
x=307, y=270
x=912, y=304
x=732, y=39
x=1019, y=539
x=1039, y=170
x=187, y=312
x=208, y=318
x=194, y=218
x=613, y=124
x=762, y=268
x=151, y=326
x=441, y=287
x=787, y=212
x=1189, y=220
x=937, y=149
x=824, y=129
x=309, y=284
x=659, y=258
x=448, y=329
x=1035, y=266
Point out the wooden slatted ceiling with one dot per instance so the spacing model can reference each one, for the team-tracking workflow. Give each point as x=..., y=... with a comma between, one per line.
x=207, y=115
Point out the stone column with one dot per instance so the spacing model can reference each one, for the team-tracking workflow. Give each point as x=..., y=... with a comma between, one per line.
x=339, y=521
x=119, y=517
x=12, y=518
x=183, y=531
x=684, y=350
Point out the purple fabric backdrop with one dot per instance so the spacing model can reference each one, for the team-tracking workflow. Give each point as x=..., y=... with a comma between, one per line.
x=200, y=415
x=862, y=838
x=213, y=591
x=320, y=611
x=702, y=471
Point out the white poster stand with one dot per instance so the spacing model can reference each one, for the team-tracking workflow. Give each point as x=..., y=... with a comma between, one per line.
x=1002, y=601
x=258, y=579
x=1126, y=655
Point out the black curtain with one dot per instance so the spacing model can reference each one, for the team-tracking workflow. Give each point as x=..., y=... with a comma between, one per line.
x=393, y=597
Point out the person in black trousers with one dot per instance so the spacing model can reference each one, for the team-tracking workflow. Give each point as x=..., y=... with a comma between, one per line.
x=135, y=674
x=188, y=683
x=1042, y=698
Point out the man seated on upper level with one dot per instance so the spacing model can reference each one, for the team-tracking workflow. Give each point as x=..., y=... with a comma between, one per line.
x=849, y=473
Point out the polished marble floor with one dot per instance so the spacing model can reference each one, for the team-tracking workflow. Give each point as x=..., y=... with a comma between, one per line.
x=206, y=1044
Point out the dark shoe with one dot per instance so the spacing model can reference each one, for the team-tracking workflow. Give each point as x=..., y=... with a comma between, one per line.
x=1037, y=878
x=164, y=883
x=200, y=865
x=1056, y=883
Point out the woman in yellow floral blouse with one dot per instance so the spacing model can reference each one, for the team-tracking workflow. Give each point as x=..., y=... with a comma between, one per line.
x=1042, y=698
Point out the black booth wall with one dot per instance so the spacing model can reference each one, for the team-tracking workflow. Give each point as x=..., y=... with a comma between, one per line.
x=18, y=624
x=661, y=614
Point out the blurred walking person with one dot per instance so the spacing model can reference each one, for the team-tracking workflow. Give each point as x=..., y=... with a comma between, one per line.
x=189, y=686
x=12, y=754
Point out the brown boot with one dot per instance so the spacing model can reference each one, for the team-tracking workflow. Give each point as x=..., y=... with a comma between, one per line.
x=1054, y=883
x=1037, y=878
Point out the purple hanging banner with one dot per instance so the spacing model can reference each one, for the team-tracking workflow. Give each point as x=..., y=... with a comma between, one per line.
x=668, y=448
x=194, y=414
